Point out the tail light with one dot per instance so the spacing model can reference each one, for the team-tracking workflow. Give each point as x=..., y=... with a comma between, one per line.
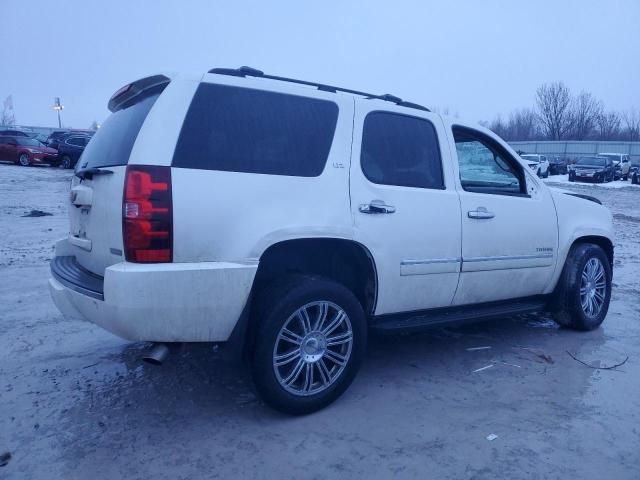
x=147, y=214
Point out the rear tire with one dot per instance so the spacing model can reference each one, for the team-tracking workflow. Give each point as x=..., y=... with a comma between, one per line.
x=581, y=300
x=291, y=368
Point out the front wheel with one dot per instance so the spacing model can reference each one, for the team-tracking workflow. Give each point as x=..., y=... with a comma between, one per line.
x=581, y=300
x=24, y=160
x=310, y=341
x=66, y=162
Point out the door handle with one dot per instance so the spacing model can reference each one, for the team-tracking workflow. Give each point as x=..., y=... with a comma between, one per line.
x=376, y=206
x=480, y=213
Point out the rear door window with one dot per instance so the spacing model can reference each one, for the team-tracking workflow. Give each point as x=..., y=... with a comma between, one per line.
x=254, y=131
x=112, y=143
x=400, y=150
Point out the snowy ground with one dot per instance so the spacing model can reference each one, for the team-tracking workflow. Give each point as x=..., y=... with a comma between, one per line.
x=77, y=403
x=564, y=179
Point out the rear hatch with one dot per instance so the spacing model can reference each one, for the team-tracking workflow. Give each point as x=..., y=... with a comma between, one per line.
x=95, y=209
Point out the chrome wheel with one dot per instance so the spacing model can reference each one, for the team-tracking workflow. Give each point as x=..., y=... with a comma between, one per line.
x=313, y=348
x=24, y=160
x=593, y=287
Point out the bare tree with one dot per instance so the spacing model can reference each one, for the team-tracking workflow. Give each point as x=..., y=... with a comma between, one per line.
x=498, y=127
x=586, y=110
x=523, y=125
x=7, y=116
x=553, y=101
x=632, y=122
x=609, y=125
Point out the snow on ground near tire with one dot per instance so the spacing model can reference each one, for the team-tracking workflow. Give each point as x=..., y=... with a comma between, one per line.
x=78, y=403
x=564, y=179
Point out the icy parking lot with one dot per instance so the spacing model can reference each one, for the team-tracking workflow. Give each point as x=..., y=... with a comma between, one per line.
x=501, y=399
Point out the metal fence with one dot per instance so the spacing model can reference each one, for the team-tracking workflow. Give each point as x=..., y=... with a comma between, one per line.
x=573, y=149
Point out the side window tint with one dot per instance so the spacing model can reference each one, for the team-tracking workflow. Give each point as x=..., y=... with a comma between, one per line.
x=484, y=167
x=400, y=150
x=253, y=131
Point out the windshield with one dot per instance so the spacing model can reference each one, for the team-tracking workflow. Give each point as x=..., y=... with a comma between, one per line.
x=593, y=161
x=531, y=158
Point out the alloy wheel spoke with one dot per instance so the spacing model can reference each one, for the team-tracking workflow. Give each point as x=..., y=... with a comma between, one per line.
x=324, y=371
x=305, y=321
x=339, y=339
x=599, y=275
x=308, y=377
x=335, y=323
x=295, y=373
x=286, y=357
x=335, y=357
x=291, y=337
x=323, y=309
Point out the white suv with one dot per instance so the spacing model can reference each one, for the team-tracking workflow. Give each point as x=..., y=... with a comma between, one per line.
x=295, y=217
x=538, y=164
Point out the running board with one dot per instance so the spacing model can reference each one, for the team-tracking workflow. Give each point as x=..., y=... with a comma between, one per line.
x=419, y=320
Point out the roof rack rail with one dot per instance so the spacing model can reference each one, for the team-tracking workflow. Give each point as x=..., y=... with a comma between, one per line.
x=252, y=72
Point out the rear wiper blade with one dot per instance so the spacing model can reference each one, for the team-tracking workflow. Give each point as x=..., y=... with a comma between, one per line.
x=88, y=173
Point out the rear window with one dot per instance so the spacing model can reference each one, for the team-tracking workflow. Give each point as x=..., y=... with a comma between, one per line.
x=244, y=130
x=112, y=143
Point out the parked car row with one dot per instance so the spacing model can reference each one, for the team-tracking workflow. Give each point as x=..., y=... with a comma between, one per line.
x=604, y=167
x=545, y=165
x=60, y=149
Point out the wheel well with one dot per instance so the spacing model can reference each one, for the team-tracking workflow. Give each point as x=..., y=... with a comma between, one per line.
x=343, y=261
x=602, y=242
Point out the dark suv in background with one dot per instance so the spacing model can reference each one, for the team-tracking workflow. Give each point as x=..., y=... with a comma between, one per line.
x=70, y=147
x=557, y=166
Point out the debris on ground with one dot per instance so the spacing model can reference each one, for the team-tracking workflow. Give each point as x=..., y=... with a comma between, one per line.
x=491, y=437
x=483, y=368
x=612, y=367
x=37, y=213
x=4, y=459
x=473, y=349
x=546, y=358
x=510, y=364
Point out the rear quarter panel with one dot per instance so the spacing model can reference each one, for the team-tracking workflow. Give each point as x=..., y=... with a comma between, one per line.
x=235, y=216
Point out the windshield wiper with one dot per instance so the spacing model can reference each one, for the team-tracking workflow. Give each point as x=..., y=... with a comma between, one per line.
x=88, y=173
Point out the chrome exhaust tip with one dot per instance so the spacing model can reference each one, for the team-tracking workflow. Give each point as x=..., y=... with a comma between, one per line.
x=157, y=355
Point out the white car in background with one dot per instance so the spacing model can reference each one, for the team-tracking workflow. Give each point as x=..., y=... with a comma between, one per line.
x=296, y=217
x=537, y=163
x=621, y=163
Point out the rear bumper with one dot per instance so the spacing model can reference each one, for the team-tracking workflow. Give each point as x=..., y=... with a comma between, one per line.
x=172, y=302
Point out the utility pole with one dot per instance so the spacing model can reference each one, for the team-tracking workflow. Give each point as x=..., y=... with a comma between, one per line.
x=57, y=106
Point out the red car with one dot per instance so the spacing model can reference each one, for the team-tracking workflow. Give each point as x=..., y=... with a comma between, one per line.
x=26, y=151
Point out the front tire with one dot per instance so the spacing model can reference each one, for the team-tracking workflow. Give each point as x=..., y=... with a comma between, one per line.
x=66, y=162
x=581, y=300
x=311, y=337
x=24, y=160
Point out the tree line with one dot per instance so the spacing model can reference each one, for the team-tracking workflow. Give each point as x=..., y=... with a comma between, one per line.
x=560, y=115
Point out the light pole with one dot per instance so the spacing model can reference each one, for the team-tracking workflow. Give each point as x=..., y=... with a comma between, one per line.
x=57, y=106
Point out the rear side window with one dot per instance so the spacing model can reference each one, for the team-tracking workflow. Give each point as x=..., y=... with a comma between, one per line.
x=244, y=130
x=400, y=150
x=112, y=143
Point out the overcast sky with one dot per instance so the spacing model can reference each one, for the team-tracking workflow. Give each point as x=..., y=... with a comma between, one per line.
x=478, y=58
